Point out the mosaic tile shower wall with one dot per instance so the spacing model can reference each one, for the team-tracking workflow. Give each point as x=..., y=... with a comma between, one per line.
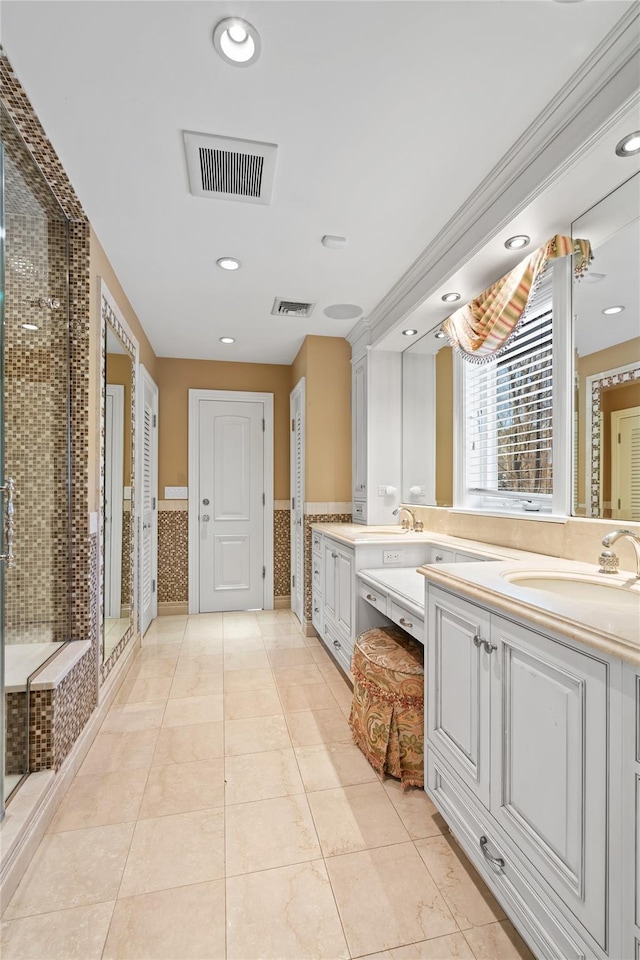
x=281, y=553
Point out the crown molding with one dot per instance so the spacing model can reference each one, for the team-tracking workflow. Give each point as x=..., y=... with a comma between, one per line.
x=582, y=111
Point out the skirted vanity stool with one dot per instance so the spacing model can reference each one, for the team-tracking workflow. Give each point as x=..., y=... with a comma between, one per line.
x=387, y=711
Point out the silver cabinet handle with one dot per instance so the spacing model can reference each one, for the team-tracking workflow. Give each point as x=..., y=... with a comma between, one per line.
x=316, y=609
x=438, y=559
x=334, y=555
x=8, y=488
x=405, y=623
x=205, y=518
x=494, y=861
x=489, y=647
x=336, y=643
x=478, y=640
x=370, y=596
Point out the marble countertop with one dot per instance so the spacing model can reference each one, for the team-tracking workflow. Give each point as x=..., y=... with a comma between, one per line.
x=610, y=626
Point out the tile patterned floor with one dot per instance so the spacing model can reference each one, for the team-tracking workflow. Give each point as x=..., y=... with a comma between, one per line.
x=223, y=811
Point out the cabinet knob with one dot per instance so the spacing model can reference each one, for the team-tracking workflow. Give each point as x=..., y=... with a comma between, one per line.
x=438, y=559
x=405, y=623
x=494, y=861
x=478, y=640
x=371, y=597
x=489, y=647
x=334, y=555
x=336, y=643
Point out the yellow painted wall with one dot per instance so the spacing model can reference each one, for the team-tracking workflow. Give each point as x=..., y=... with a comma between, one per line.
x=325, y=362
x=176, y=377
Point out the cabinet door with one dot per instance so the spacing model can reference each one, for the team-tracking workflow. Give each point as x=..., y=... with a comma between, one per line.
x=329, y=556
x=345, y=591
x=359, y=429
x=458, y=685
x=549, y=760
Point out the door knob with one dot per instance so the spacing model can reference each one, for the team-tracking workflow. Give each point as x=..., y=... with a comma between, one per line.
x=205, y=518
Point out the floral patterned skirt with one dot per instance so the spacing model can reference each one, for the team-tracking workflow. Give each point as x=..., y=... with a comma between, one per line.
x=387, y=711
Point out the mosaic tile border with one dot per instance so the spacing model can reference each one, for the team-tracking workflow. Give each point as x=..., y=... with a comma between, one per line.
x=597, y=386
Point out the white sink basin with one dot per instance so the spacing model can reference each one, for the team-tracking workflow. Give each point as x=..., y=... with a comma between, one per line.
x=623, y=594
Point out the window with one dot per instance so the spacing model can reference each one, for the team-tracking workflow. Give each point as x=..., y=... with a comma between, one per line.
x=510, y=418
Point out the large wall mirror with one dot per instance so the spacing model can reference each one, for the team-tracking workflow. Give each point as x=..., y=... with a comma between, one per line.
x=606, y=338
x=427, y=422
x=119, y=359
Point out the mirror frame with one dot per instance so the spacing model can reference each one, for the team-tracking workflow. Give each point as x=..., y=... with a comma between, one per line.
x=593, y=468
x=110, y=314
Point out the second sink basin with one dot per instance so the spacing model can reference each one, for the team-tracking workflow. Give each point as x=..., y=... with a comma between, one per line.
x=624, y=594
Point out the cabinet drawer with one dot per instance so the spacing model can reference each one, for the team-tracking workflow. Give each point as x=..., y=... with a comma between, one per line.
x=549, y=934
x=338, y=647
x=407, y=620
x=316, y=574
x=359, y=511
x=316, y=612
x=316, y=542
x=440, y=555
x=376, y=598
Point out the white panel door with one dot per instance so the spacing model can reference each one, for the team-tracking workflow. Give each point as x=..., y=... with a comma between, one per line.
x=458, y=683
x=296, y=408
x=231, y=505
x=148, y=500
x=549, y=763
x=625, y=466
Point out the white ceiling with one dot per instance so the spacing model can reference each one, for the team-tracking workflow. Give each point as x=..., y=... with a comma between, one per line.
x=387, y=115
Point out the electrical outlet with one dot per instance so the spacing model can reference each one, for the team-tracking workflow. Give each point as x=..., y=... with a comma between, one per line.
x=382, y=491
x=392, y=556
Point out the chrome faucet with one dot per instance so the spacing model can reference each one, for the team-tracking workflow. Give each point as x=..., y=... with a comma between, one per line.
x=412, y=524
x=609, y=561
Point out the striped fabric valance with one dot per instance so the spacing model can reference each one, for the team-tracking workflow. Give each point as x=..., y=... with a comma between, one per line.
x=482, y=328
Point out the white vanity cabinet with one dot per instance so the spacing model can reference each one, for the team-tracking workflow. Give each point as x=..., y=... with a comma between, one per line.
x=376, y=412
x=520, y=760
x=630, y=854
x=338, y=609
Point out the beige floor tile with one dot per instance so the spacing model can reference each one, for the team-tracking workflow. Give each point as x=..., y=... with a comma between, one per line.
x=269, y=833
x=126, y=717
x=355, y=818
x=284, y=628
x=240, y=629
x=196, y=685
x=148, y=669
x=244, y=644
x=313, y=641
x=64, y=871
x=175, y=851
x=320, y=654
x=246, y=660
x=111, y=752
x=198, y=663
x=467, y=896
x=285, y=641
x=159, y=651
x=76, y=934
x=255, y=735
x=329, y=671
x=180, y=787
x=261, y=776
x=283, y=615
x=197, y=741
x=284, y=914
x=296, y=676
x=94, y=801
x=252, y=703
x=497, y=941
x=238, y=681
x=295, y=657
x=312, y=696
x=196, y=645
x=186, y=923
x=387, y=899
x=327, y=765
x=343, y=694
x=317, y=726
x=415, y=809
x=145, y=689
x=453, y=947
x=188, y=710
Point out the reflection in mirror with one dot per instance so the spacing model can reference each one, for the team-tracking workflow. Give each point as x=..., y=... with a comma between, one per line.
x=607, y=360
x=117, y=491
x=427, y=422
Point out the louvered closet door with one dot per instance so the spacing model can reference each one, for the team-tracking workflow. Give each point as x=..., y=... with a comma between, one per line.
x=297, y=500
x=625, y=479
x=148, y=503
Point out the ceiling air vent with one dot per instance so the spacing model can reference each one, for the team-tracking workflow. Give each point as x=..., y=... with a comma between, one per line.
x=228, y=169
x=291, y=308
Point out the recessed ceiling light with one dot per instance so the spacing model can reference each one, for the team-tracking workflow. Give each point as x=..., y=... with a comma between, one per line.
x=629, y=145
x=227, y=340
x=609, y=311
x=29, y=326
x=517, y=242
x=228, y=263
x=342, y=311
x=450, y=297
x=237, y=41
x=409, y=333
x=440, y=335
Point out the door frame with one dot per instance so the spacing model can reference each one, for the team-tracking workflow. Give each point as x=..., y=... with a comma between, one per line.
x=115, y=461
x=146, y=380
x=298, y=391
x=239, y=396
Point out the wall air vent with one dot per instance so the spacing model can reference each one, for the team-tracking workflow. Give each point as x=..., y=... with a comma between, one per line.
x=291, y=308
x=227, y=169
